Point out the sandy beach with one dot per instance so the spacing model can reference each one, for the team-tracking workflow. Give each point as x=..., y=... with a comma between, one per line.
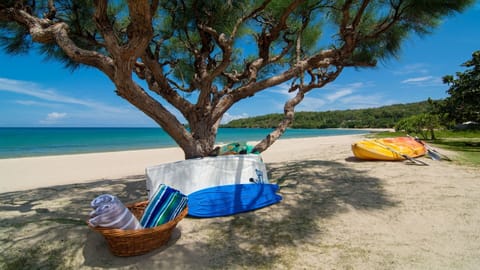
x=337, y=213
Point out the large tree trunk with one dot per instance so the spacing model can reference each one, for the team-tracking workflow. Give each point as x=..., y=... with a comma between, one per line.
x=203, y=142
x=198, y=142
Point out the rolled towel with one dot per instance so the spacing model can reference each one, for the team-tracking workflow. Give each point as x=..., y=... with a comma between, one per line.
x=166, y=204
x=102, y=199
x=111, y=213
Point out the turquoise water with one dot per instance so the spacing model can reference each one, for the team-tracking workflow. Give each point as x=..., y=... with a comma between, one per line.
x=22, y=142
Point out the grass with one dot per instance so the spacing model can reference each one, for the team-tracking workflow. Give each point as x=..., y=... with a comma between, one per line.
x=465, y=143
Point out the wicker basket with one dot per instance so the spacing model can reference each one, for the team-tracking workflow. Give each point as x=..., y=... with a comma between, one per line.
x=137, y=242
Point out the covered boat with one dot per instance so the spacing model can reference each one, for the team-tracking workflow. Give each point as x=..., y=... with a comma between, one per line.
x=192, y=175
x=399, y=148
x=217, y=186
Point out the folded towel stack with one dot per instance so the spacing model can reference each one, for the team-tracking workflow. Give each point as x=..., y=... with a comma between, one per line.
x=110, y=212
x=166, y=204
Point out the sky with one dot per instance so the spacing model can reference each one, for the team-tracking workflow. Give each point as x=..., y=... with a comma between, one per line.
x=39, y=93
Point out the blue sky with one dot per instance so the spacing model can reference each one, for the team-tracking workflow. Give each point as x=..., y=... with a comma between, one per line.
x=39, y=93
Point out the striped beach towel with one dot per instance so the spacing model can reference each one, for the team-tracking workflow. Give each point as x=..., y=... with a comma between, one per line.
x=110, y=212
x=166, y=204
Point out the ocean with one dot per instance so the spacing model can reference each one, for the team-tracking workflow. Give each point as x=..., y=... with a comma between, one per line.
x=24, y=142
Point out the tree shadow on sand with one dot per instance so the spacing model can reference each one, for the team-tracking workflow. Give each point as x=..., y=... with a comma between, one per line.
x=43, y=228
x=52, y=221
x=312, y=191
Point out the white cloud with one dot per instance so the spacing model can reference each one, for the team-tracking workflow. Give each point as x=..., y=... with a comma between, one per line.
x=418, y=68
x=423, y=81
x=229, y=117
x=282, y=89
x=80, y=112
x=339, y=94
x=310, y=104
x=320, y=99
x=36, y=103
x=53, y=117
x=418, y=79
x=342, y=92
x=34, y=90
x=56, y=116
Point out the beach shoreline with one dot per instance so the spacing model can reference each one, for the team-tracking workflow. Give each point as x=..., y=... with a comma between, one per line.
x=37, y=142
x=35, y=172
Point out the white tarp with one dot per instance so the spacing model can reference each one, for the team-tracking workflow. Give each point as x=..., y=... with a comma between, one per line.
x=191, y=175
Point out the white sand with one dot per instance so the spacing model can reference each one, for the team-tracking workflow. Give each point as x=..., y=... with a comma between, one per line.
x=337, y=213
x=34, y=172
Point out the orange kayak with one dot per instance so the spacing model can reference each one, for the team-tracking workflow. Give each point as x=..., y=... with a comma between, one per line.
x=388, y=149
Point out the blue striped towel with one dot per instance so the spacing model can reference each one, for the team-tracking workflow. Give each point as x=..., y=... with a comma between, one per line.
x=110, y=212
x=166, y=204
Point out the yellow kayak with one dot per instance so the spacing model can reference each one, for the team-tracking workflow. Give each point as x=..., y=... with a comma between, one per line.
x=398, y=148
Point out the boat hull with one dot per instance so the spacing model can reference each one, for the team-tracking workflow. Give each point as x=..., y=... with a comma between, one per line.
x=388, y=149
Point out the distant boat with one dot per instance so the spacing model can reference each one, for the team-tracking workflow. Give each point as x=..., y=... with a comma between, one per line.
x=398, y=148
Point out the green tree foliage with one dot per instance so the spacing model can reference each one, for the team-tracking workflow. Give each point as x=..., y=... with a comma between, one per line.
x=199, y=58
x=463, y=104
x=420, y=124
x=382, y=117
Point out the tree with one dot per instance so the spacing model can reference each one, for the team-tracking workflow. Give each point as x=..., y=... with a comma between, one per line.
x=202, y=57
x=421, y=124
x=463, y=104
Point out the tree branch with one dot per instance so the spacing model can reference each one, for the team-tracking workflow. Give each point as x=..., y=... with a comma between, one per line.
x=264, y=43
x=45, y=31
x=289, y=109
x=52, y=11
x=389, y=21
x=140, y=30
x=105, y=27
x=361, y=10
x=324, y=58
x=266, y=39
x=159, y=84
x=154, y=109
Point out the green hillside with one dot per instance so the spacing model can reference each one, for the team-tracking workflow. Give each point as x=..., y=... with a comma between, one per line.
x=381, y=117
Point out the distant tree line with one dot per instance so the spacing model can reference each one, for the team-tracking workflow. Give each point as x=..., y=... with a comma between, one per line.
x=381, y=117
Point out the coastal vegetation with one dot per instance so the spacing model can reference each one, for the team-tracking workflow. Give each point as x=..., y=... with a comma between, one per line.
x=381, y=117
x=196, y=59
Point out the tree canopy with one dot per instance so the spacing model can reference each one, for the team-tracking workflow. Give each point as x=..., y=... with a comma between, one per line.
x=463, y=104
x=420, y=124
x=201, y=57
